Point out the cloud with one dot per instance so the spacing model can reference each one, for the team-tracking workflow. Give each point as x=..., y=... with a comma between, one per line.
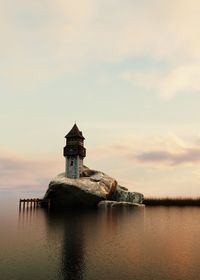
x=41, y=41
x=170, y=151
x=18, y=173
x=187, y=156
x=165, y=151
x=183, y=78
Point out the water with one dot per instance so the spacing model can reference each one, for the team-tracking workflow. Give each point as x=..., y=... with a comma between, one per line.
x=148, y=243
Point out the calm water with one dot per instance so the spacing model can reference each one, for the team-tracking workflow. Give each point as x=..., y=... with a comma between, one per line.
x=150, y=243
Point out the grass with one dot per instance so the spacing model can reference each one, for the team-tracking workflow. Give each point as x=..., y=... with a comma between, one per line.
x=174, y=201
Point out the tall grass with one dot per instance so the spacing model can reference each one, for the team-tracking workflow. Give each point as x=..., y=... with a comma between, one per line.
x=172, y=201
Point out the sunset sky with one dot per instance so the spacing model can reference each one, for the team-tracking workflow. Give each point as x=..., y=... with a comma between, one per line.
x=128, y=73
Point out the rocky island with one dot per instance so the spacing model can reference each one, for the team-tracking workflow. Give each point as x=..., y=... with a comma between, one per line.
x=81, y=187
x=93, y=188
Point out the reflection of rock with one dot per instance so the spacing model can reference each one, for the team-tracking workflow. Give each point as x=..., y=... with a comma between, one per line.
x=73, y=249
x=86, y=191
x=118, y=204
x=66, y=243
x=122, y=194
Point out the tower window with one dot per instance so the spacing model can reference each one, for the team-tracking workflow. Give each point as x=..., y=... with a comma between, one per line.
x=71, y=163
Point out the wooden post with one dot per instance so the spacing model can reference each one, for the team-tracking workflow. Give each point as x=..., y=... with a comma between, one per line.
x=31, y=203
x=49, y=203
x=23, y=204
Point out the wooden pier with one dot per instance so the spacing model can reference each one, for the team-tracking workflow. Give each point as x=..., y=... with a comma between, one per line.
x=33, y=203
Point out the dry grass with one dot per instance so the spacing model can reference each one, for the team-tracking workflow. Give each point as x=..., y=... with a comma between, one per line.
x=173, y=201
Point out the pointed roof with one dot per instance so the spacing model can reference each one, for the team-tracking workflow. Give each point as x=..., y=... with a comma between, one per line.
x=75, y=132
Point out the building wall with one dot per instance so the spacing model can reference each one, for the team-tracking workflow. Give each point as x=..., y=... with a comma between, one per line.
x=73, y=167
x=80, y=166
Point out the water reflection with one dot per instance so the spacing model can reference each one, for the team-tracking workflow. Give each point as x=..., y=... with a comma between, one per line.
x=86, y=233
x=73, y=251
x=26, y=215
x=151, y=243
x=72, y=256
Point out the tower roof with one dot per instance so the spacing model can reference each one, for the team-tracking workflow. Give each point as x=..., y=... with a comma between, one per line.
x=75, y=132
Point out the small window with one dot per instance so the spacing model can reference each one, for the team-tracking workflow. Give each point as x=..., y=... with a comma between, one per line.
x=72, y=163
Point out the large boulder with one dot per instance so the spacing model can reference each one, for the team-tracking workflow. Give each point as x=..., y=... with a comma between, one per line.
x=122, y=194
x=118, y=204
x=85, y=191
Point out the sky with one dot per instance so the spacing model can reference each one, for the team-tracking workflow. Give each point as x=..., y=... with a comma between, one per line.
x=128, y=73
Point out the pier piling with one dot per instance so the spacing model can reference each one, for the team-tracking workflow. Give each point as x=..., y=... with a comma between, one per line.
x=29, y=203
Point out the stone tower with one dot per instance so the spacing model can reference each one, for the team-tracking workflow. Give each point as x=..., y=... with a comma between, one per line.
x=74, y=153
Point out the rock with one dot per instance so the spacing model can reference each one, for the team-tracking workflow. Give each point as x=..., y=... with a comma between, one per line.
x=85, y=191
x=120, y=204
x=123, y=188
x=91, y=189
x=122, y=194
